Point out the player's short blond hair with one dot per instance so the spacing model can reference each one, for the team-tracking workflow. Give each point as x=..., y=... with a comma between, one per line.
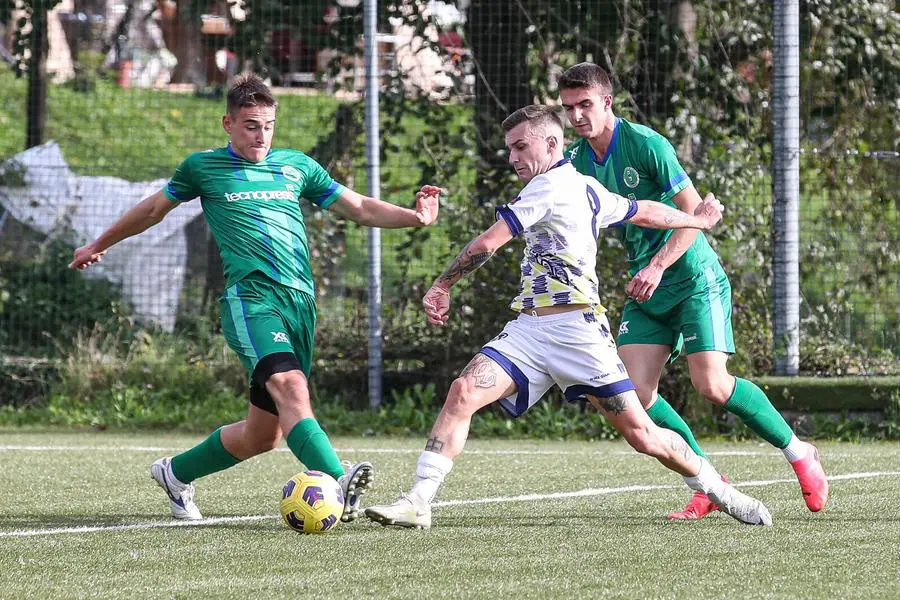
x=537, y=115
x=248, y=89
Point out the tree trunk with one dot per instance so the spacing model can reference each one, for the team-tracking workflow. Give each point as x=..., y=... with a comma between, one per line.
x=496, y=30
x=181, y=33
x=37, y=79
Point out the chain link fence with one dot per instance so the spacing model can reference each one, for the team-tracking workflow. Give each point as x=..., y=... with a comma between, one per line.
x=109, y=96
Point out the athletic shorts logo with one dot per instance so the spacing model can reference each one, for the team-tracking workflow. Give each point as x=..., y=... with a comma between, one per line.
x=631, y=177
x=691, y=338
x=291, y=173
x=279, y=336
x=623, y=328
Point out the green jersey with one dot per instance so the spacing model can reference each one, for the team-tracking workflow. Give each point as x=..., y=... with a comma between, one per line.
x=641, y=165
x=253, y=209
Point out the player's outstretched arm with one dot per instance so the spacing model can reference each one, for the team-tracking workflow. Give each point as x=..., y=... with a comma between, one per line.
x=645, y=281
x=143, y=215
x=476, y=253
x=372, y=212
x=657, y=215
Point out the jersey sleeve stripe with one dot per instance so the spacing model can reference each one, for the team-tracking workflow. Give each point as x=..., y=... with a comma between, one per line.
x=512, y=221
x=632, y=210
x=675, y=181
x=174, y=195
x=327, y=198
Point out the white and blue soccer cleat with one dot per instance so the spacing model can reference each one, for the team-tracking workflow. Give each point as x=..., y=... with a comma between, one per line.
x=181, y=495
x=354, y=483
x=741, y=506
x=409, y=511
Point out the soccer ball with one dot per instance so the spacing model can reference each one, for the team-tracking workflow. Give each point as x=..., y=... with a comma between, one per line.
x=312, y=502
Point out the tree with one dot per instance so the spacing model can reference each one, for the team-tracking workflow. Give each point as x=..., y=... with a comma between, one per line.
x=30, y=49
x=181, y=25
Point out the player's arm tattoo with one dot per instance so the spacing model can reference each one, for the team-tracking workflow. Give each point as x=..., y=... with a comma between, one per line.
x=481, y=368
x=434, y=445
x=467, y=262
x=614, y=404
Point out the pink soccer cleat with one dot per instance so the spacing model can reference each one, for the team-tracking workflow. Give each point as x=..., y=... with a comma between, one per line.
x=811, y=476
x=698, y=507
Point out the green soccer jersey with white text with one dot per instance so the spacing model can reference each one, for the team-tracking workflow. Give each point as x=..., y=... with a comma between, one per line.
x=641, y=165
x=253, y=209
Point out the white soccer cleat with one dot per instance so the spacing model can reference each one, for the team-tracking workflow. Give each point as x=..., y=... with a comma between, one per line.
x=354, y=483
x=409, y=511
x=741, y=506
x=181, y=495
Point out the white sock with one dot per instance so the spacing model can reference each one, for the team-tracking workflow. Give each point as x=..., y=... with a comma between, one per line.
x=430, y=472
x=795, y=450
x=707, y=480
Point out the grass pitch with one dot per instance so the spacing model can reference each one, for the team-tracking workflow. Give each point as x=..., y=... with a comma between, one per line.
x=79, y=517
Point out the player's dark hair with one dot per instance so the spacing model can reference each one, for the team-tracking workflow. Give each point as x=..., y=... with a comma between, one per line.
x=249, y=89
x=536, y=114
x=585, y=75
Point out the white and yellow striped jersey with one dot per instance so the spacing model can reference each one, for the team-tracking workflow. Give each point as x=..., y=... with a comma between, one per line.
x=560, y=213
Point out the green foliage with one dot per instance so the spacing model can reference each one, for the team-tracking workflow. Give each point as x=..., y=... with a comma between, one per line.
x=44, y=305
x=831, y=393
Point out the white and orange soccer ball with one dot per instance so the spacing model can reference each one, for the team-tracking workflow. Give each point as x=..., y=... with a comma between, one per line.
x=312, y=502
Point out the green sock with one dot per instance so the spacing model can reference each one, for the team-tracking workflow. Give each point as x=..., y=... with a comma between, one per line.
x=750, y=405
x=313, y=448
x=209, y=456
x=665, y=416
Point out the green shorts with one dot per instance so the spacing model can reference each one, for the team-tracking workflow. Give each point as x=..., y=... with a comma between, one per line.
x=693, y=314
x=261, y=317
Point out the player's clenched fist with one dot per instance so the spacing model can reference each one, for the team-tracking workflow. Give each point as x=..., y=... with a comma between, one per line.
x=85, y=256
x=437, y=304
x=710, y=210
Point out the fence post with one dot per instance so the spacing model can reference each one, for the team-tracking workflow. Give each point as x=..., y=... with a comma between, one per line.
x=373, y=189
x=786, y=187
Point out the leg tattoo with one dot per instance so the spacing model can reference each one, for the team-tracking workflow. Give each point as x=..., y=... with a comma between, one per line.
x=614, y=404
x=677, y=443
x=434, y=445
x=481, y=368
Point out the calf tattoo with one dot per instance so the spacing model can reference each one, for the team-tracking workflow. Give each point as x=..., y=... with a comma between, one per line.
x=434, y=445
x=677, y=443
x=481, y=368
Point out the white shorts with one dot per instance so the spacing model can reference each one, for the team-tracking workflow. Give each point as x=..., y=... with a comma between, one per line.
x=574, y=350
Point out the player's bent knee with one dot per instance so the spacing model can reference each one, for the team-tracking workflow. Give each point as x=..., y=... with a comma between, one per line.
x=290, y=382
x=279, y=370
x=715, y=389
x=460, y=399
x=259, y=443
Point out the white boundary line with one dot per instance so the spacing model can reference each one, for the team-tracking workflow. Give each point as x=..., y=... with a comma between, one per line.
x=495, y=500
